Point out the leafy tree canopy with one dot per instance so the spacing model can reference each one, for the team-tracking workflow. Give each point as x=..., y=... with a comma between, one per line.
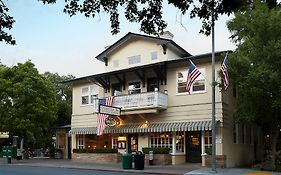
x=63, y=96
x=146, y=12
x=255, y=66
x=27, y=103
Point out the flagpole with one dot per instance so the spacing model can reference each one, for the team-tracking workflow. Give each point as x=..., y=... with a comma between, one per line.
x=213, y=162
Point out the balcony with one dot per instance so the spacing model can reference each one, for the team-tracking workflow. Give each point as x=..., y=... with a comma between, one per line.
x=148, y=102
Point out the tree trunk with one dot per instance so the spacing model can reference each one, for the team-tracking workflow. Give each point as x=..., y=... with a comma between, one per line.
x=275, y=136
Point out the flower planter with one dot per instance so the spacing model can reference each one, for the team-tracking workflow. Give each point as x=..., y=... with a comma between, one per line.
x=220, y=161
x=159, y=159
x=102, y=158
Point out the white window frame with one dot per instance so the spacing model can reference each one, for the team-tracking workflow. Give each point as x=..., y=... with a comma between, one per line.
x=92, y=92
x=182, y=145
x=184, y=80
x=154, y=55
x=132, y=60
x=160, y=141
x=115, y=64
x=80, y=141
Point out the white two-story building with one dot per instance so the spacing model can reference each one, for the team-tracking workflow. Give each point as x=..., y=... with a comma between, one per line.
x=147, y=76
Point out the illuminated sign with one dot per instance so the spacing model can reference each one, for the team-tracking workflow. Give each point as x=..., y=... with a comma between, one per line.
x=110, y=121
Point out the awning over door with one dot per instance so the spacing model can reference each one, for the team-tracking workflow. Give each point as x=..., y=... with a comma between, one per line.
x=147, y=128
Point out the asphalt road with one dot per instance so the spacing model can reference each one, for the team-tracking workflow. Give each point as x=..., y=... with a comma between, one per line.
x=28, y=170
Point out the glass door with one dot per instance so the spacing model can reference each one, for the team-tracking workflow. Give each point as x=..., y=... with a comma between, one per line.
x=132, y=143
x=193, y=148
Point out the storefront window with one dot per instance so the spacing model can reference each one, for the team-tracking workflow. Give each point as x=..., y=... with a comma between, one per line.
x=180, y=142
x=163, y=140
x=80, y=141
x=114, y=142
x=208, y=142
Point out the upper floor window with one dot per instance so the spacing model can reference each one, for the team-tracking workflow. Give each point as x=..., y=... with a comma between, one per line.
x=89, y=94
x=199, y=84
x=134, y=59
x=134, y=87
x=153, y=55
x=115, y=64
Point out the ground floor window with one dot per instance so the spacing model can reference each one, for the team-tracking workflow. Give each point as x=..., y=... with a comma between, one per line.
x=179, y=141
x=208, y=142
x=114, y=142
x=94, y=141
x=80, y=141
x=164, y=140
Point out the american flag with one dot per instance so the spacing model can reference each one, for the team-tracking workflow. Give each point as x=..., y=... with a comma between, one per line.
x=101, y=117
x=193, y=73
x=224, y=68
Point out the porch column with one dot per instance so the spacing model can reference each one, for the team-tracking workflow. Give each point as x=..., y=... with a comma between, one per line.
x=73, y=142
x=203, y=154
x=174, y=142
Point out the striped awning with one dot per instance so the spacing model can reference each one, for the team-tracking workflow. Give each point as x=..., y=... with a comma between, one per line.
x=86, y=130
x=147, y=128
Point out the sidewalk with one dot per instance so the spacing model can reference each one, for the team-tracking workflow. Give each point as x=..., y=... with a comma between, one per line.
x=186, y=169
x=63, y=163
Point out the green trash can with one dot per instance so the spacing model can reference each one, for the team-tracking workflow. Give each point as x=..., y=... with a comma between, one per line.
x=139, y=160
x=127, y=161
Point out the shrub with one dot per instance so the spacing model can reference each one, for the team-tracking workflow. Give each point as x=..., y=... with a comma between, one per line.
x=97, y=150
x=156, y=150
x=208, y=150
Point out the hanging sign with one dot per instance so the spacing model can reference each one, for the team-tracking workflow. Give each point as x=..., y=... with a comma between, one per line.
x=109, y=110
x=110, y=121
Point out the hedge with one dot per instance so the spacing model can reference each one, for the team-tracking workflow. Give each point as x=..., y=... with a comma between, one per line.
x=97, y=150
x=156, y=150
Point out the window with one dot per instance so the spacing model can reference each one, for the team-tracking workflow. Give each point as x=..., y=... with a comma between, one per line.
x=161, y=140
x=134, y=88
x=80, y=142
x=153, y=55
x=115, y=64
x=208, y=142
x=89, y=95
x=61, y=140
x=179, y=141
x=134, y=59
x=114, y=142
x=198, y=85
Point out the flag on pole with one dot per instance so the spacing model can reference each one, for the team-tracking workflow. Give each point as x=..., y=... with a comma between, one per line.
x=101, y=117
x=224, y=68
x=193, y=73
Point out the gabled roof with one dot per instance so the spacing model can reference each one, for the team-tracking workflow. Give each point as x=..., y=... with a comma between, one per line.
x=96, y=77
x=133, y=36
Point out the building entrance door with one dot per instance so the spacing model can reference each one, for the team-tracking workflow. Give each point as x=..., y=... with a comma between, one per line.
x=193, y=148
x=132, y=143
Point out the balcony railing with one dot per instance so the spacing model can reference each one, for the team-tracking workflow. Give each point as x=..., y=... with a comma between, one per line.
x=156, y=100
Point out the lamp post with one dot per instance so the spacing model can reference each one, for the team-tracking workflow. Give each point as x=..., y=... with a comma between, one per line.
x=213, y=162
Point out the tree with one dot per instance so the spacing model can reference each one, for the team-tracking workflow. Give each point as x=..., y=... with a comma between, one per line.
x=27, y=104
x=255, y=68
x=6, y=22
x=146, y=12
x=63, y=97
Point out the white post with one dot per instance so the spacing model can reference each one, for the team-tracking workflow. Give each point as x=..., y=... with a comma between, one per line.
x=203, y=154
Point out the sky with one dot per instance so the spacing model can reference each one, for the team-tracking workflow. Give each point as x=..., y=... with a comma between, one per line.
x=57, y=43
